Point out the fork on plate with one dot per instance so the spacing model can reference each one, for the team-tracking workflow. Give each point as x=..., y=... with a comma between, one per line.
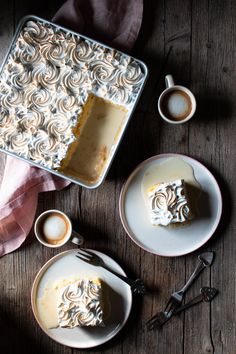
x=137, y=286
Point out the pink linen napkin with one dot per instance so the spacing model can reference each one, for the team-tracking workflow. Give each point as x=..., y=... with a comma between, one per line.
x=116, y=23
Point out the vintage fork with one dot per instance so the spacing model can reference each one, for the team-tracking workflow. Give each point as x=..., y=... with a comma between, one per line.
x=206, y=294
x=205, y=260
x=137, y=286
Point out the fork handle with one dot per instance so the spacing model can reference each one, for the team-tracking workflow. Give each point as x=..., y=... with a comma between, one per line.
x=199, y=268
x=130, y=282
x=194, y=301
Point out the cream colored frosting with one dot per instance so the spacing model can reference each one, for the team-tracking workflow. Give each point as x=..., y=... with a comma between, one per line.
x=45, y=83
x=167, y=203
x=80, y=305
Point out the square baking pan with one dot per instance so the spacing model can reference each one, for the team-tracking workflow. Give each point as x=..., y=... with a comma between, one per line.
x=100, y=90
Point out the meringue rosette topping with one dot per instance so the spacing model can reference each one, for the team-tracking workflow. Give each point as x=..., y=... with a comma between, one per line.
x=45, y=83
x=81, y=304
x=167, y=203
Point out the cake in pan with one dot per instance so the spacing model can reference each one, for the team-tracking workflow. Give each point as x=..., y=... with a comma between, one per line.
x=64, y=99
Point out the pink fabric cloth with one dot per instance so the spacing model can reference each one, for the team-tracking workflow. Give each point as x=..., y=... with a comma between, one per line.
x=18, y=200
x=116, y=23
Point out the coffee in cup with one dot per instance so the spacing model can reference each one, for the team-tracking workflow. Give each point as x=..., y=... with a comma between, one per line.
x=176, y=104
x=53, y=229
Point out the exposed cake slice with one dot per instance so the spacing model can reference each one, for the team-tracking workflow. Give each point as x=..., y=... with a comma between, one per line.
x=80, y=304
x=167, y=203
x=99, y=127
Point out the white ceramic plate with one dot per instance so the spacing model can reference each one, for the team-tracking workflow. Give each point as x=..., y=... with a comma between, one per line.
x=170, y=241
x=65, y=265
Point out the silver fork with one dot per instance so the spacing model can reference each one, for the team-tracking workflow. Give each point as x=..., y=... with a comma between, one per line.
x=206, y=294
x=205, y=260
x=175, y=300
x=137, y=286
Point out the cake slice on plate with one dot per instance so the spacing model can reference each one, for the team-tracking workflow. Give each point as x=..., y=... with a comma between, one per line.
x=81, y=304
x=168, y=203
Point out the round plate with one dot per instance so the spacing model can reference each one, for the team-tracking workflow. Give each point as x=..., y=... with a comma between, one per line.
x=170, y=241
x=65, y=265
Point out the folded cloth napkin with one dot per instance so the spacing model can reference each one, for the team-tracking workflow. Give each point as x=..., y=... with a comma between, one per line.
x=116, y=23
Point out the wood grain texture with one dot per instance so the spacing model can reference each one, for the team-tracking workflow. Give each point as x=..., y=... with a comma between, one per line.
x=195, y=41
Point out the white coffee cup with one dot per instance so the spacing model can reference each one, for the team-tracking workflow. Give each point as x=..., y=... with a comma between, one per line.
x=53, y=228
x=176, y=104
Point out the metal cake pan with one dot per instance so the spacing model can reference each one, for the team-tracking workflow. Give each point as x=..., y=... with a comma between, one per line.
x=122, y=131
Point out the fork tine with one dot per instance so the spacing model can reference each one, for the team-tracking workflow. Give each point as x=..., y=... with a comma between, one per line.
x=83, y=258
x=153, y=318
x=153, y=325
x=85, y=252
x=155, y=322
x=171, y=304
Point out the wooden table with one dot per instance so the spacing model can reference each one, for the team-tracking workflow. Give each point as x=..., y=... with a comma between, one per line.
x=195, y=41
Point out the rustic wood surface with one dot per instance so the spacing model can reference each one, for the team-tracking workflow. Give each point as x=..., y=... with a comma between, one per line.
x=195, y=41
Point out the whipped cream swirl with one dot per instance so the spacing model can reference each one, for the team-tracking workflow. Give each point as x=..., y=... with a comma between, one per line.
x=80, y=305
x=168, y=203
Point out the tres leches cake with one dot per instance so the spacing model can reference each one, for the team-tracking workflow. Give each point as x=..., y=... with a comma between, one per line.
x=64, y=99
x=81, y=304
x=72, y=302
x=167, y=203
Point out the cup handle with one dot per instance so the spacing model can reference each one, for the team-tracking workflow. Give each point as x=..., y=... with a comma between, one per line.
x=76, y=238
x=169, y=81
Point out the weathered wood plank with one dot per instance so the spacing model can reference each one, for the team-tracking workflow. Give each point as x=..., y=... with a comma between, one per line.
x=197, y=336
x=223, y=75
x=177, y=44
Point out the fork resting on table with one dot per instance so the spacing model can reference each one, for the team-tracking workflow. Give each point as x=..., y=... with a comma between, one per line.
x=206, y=294
x=175, y=300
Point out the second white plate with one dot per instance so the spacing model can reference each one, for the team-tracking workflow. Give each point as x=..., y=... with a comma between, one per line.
x=166, y=241
x=65, y=265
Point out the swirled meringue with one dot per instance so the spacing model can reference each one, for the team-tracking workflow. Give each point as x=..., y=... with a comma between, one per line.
x=168, y=204
x=81, y=304
x=36, y=32
x=103, y=72
x=26, y=54
x=46, y=75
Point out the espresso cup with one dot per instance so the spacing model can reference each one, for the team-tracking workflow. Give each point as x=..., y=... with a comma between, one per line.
x=53, y=228
x=176, y=104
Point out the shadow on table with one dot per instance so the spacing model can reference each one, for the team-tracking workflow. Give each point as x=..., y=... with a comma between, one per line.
x=227, y=207
x=210, y=107
x=91, y=234
x=16, y=338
